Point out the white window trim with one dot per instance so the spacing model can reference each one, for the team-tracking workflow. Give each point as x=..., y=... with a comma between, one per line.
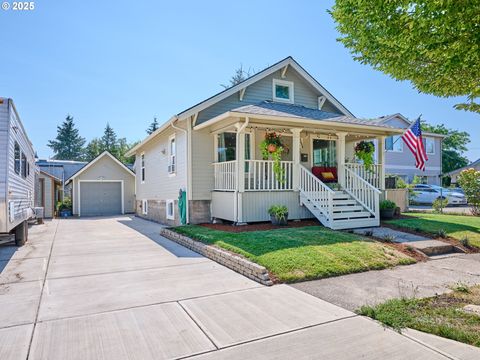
x=142, y=168
x=426, y=147
x=398, y=141
x=145, y=207
x=252, y=143
x=174, y=172
x=291, y=91
x=167, y=215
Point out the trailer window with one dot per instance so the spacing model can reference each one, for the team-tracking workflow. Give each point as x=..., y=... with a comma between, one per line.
x=16, y=154
x=24, y=165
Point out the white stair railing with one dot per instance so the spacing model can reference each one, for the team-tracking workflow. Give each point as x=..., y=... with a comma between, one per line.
x=317, y=192
x=362, y=191
x=371, y=175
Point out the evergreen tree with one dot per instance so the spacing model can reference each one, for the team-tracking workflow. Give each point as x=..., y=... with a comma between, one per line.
x=122, y=148
x=153, y=126
x=93, y=149
x=109, y=141
x=239, y=76
x=68, y=145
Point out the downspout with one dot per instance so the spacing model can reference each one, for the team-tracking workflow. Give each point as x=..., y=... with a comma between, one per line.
x=239, y=131
x=175, y=118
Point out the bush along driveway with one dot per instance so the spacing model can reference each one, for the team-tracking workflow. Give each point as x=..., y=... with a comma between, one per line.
x=455, y=315
x=465, y=229
x=304, y=253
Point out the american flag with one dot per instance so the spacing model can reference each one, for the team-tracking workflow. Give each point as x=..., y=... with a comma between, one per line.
x=414, y=141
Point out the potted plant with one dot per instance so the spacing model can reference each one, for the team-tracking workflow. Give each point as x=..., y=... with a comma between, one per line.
x=387, y=209
x=278, y=214
x=364, y=151
x=272, y=147
x=64, y=208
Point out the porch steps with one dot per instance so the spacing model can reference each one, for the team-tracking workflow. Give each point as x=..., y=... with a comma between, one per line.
x=347, y=212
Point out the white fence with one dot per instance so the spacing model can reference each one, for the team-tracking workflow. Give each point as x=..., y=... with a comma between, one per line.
x=259, y=175
x=225, y=175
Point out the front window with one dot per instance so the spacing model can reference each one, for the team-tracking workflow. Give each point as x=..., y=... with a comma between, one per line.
x=24, y=165
x=142, y=165
x=226, y=148
x=394, y=143
x=282, y=91
x=324, y=152
x=429, y=145
x=16, y=154
x=172, y=154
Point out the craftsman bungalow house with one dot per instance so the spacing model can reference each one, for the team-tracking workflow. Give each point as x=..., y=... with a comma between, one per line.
x=211, y=151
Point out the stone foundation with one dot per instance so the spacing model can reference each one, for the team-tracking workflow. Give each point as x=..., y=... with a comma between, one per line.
x=199, y=212
x=236, y=263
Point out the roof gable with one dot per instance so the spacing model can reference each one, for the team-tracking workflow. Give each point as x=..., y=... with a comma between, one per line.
x=282, y=66
x=94, y=161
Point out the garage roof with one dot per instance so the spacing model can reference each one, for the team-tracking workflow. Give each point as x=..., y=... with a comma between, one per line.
x=91, y=163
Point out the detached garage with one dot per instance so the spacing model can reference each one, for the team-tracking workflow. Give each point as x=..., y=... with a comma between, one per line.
x=103, y=187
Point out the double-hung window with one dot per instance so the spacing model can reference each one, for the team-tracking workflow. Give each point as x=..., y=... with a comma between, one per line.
x=172, y=155
x=429, y=145
x=170, y=209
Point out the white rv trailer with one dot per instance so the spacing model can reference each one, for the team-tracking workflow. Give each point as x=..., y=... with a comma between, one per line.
x=17, y=174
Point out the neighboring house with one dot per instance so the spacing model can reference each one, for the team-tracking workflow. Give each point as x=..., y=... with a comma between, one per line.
x=48, y=193
x=211, y=151
x=60, y=169
x=454, y=174
x=17, y=173
x=399, y=160
x=104, y=186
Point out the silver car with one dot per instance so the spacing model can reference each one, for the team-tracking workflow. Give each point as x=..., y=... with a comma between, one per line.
x=427, y=194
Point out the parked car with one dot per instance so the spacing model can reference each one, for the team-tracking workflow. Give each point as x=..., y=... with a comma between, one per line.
x=427, y=194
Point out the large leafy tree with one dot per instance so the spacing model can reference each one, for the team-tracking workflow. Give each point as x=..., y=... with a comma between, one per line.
x=433, y=43
x=153, y=126
x=68, y=145
x=453, y=146
x=122, y=147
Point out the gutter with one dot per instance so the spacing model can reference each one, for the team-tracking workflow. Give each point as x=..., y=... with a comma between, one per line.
x=187, y=149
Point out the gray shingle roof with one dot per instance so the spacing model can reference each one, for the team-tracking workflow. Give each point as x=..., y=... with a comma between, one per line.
x=302, y=112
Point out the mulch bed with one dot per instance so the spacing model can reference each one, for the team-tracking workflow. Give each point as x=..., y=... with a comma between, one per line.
x=260, y=226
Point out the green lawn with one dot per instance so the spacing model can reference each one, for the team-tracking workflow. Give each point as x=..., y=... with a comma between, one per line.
x=305, y=253
x=440, y=315
x=456, y=226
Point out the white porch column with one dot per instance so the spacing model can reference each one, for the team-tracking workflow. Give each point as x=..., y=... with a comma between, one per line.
x=341, y=157
x=296, y=158
x=240, y=156
x=381, y=160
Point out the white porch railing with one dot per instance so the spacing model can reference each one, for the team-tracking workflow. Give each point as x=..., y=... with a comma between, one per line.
x=372, y=176
x=362, y=191
x=319, y=194
x=225, y=175
x=259, y=176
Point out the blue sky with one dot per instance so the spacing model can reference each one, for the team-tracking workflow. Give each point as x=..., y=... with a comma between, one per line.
x=125, y=62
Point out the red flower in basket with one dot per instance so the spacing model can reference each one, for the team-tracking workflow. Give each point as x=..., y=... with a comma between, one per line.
x=271, y=148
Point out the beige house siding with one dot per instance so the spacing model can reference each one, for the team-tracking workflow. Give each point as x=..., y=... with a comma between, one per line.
x=202, y=170
x=106, y=169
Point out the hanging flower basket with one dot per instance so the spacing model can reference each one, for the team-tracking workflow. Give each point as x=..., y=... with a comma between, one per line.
x=272, y=147
x=364, y=151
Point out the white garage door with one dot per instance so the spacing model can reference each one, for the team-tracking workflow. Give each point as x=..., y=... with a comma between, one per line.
x=100, y=198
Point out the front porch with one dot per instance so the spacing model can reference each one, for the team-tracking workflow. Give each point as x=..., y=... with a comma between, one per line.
x=245, y=185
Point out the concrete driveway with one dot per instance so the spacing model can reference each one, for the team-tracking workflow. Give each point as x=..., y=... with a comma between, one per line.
x=112, y=288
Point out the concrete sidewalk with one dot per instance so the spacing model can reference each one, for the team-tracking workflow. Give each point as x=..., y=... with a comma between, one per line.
x=112, y=288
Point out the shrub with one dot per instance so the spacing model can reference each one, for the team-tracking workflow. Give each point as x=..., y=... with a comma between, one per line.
x=439, y=204
x=465, y=242
x=278, y=211
x=469, y=180
x=441, y=233
x=387, y=205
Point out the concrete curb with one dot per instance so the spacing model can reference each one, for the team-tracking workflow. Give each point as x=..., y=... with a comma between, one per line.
x=243, y=266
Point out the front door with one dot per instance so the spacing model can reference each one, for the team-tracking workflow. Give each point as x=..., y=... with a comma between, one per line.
x=324, y=153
